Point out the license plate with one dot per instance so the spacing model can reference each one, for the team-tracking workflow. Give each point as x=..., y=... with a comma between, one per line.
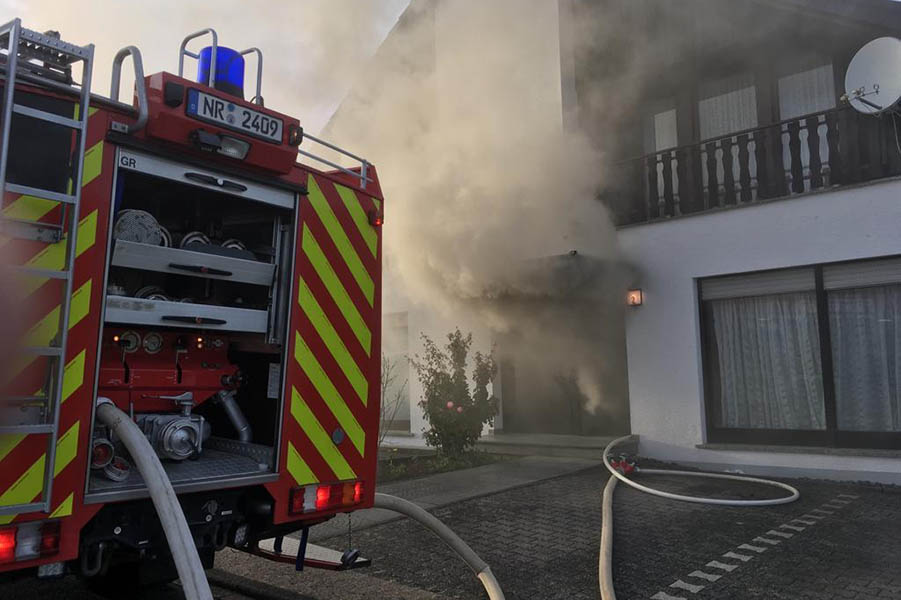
x=219, y=111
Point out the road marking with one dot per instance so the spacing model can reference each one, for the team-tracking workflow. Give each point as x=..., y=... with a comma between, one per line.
x=781, y=534
x=764, y=540
x=792, y=527
x=665, y=596
x=849, y=496
x=723, y=566
x=757, y=549
x=840, y=501
x=833, y=506
x=741, y=557
x=805, y=521
x=810, y=516
x=821, y=511
x=703, y=575
x=688, y=587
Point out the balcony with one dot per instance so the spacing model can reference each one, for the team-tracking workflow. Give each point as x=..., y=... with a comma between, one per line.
x=818, y=151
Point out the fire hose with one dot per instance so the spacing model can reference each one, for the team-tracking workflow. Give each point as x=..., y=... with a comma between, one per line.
x=181, y=542
x=430, y=522
x=605, y=569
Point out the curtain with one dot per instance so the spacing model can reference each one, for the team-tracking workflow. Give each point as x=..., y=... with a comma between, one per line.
x=768, y=355
x=728, y=105
x=866, y=339
x=807, y=92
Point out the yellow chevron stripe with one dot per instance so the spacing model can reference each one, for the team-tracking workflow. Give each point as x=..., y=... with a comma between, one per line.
x=25, y=489
x=326, y=273
x=8, y=443
x=320, y=438
x=73, y=376
x=326, y=389
x=47, y=328
x=29, y=485
x=53, y=257
x=298, y=469
x=65, y=507
x=339, y=237
x=66, y=449
x=359, y=216
x=32, y=208
x=333, y=341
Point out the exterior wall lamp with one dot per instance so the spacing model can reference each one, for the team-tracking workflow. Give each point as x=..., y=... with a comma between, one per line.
x=634, y=297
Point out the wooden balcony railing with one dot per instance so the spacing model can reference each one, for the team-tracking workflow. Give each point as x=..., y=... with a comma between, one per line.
x=817, y=151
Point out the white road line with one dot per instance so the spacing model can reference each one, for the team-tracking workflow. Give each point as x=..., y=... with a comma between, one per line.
x=813, y=516
x=821, y=511
x=792, y=527
x=723, y=566
x=833, y=506
x=757, y=549
x=849, y=496
x=688, y=587
x=781, y=534
x=840, y=501
x=764, y=540
x=705, y=576
x=805, y=521
x=741, y=557
x=665, y=596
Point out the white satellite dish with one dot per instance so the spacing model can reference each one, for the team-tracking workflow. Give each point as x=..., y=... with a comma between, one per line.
x=873, y=80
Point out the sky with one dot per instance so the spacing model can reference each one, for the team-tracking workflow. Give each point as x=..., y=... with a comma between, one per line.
x=313, y=49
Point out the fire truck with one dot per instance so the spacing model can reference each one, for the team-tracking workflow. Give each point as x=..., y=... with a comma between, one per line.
x=182, y=258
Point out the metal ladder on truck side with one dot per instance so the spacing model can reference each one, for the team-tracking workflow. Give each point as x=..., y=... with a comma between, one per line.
x=32, y=56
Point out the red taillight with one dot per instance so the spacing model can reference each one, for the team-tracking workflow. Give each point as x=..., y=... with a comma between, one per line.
x=323, y=494
x=358, y=492
x=296, y=504
x=7, y=544
x=50, y=538
x=376, y=219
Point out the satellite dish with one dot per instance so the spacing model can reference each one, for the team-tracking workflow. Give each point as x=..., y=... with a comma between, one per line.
x=873, y=80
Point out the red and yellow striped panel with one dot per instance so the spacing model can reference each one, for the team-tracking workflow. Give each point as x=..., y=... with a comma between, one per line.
x=23, y=457
x=330, y=430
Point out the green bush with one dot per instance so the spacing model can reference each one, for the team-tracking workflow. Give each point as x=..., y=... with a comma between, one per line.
x=455, y=414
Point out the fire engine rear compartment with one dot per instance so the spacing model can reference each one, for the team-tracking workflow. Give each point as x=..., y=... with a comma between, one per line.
x=198, y=285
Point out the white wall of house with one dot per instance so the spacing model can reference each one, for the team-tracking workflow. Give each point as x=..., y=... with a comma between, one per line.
x=663, y=335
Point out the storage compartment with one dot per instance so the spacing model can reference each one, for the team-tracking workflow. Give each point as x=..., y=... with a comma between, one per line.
x=195, y=318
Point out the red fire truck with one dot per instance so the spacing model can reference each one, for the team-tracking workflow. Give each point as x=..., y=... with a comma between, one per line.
x=173, y=257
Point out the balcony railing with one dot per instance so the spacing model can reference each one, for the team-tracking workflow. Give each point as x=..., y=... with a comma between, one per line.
x=817, y=151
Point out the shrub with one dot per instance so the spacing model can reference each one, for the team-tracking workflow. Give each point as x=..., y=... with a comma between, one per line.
x=455, y=413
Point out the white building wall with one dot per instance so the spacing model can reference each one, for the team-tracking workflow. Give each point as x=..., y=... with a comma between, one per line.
x=663, y=335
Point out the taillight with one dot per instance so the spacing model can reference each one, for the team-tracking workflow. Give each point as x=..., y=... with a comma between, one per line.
x=50, y=538
x=7, y=544
x=315, y=498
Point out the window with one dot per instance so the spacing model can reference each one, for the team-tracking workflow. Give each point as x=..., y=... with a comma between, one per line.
x=806, y=92
x=808, y=356
x=727, y=106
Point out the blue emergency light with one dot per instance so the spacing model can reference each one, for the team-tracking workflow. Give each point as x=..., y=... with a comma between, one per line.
x=229, y=70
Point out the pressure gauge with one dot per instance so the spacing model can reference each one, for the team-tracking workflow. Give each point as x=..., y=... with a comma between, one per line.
x=129, y=341
x=153, y=343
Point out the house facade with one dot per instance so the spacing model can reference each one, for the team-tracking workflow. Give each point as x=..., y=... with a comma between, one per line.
x=760, y=217
x=757, y=213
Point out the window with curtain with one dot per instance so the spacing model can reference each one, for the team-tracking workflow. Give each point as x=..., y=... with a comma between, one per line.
x=808, y=355
x=767, y=358
x=865, y=327
x=727, y=105
x=809, y=91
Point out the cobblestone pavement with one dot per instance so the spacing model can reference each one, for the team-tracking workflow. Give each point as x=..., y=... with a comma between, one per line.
x=71, y=588
x=839, y=541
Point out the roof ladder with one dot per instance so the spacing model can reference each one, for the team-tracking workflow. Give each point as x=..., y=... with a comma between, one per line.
x=44, y=56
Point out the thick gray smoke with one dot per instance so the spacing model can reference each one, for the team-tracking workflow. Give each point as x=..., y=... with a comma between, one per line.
x=461, y=112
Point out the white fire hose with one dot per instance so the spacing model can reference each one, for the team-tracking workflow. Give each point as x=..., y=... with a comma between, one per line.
x=605, y=570
x=181, y=542
x=430, y=522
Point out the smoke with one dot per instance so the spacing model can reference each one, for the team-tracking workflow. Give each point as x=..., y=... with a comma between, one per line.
x=461, y=111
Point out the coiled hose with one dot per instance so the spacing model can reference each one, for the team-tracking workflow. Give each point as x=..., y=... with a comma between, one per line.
x=605, y=569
